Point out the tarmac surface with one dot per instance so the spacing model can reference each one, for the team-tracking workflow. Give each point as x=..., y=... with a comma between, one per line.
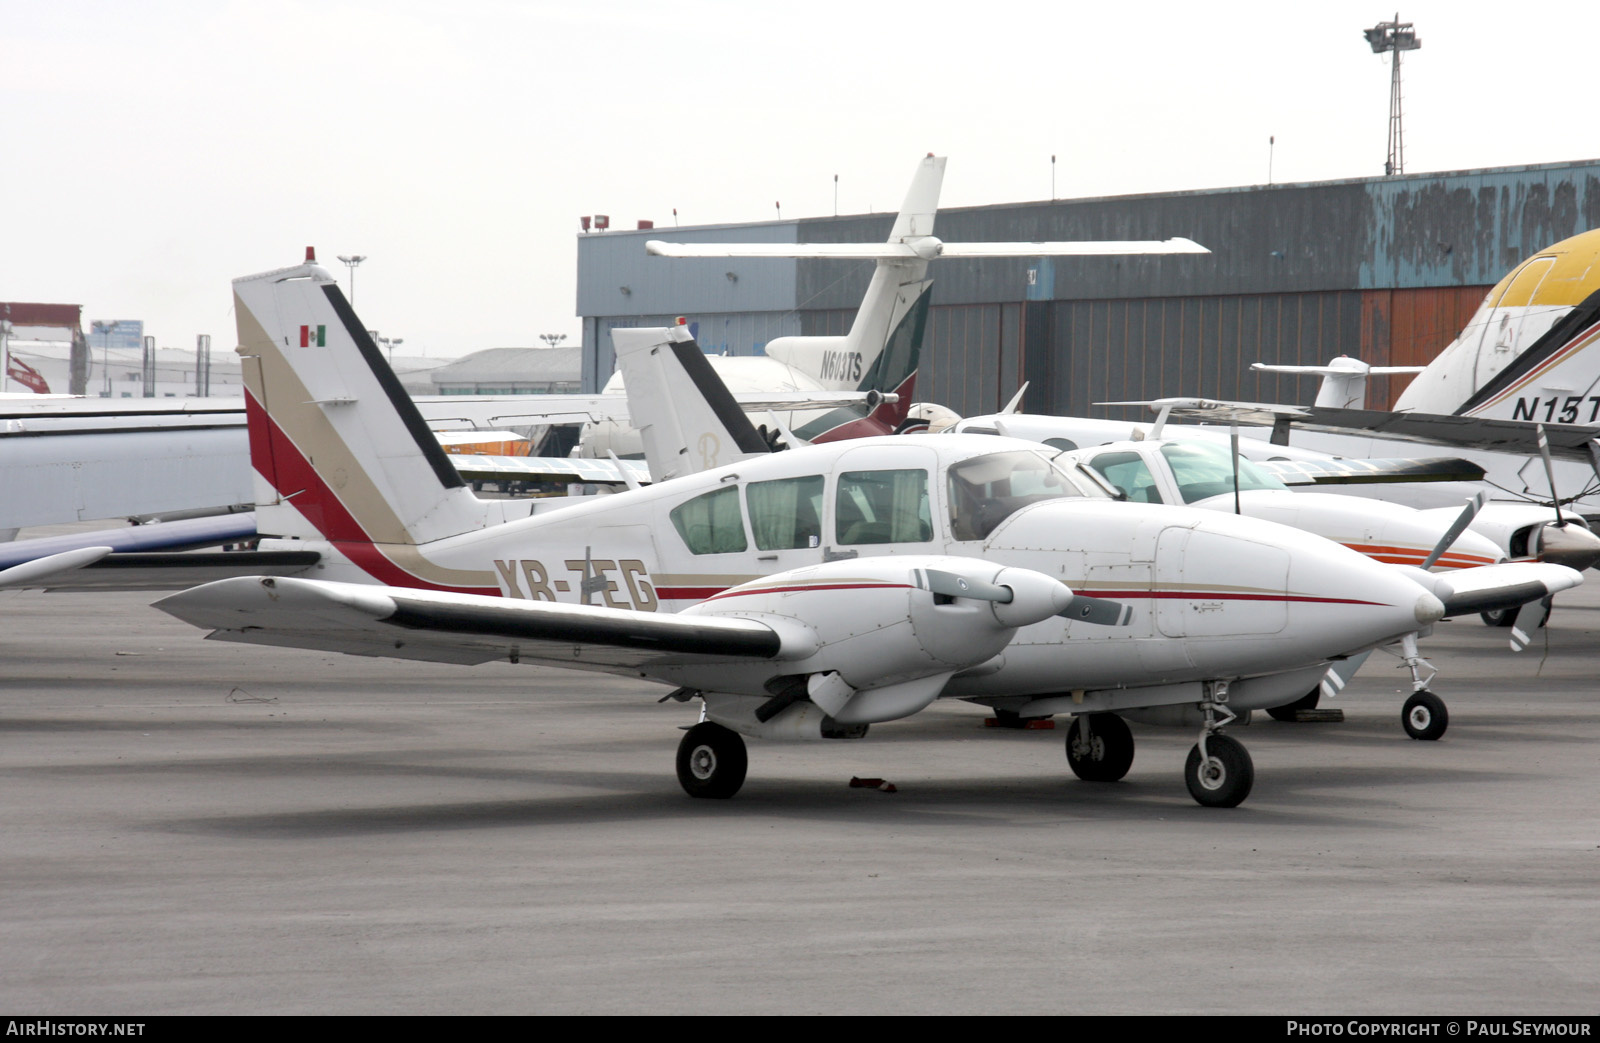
x=199, y=827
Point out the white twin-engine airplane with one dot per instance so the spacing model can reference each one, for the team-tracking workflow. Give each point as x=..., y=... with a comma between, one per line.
x=804, y=594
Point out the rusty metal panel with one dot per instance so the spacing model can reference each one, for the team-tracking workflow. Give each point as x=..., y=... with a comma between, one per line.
x=1409, y=327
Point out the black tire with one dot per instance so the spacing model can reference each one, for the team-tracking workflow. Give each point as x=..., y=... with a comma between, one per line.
x=1108, y=754
x=1224, y=780
x=1424, y=716
x=711, y=761
x=1499, y=618
x=1287, y=711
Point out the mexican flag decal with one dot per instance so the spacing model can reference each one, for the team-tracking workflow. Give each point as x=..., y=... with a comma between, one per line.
x=313, y=336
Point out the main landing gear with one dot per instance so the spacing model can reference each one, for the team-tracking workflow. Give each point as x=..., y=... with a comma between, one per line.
x=1424, y=715
x=1219, y=771
x=1099, y=747
x=712, y=761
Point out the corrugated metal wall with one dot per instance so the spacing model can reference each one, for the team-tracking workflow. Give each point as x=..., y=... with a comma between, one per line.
x=1386, y=269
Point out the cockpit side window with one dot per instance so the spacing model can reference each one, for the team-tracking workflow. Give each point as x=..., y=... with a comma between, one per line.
x=986, y=490
x=711, y=524
x=1128, y=472
x=786, y=514
x=882, y=507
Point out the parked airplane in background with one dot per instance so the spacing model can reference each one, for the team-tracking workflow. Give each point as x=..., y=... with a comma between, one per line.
x=817, y=591
x=882, y=350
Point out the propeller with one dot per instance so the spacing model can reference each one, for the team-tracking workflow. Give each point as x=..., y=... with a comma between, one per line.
x=1100, y=611
x=1457, y=527
x=1550, y=474
x=953, y=586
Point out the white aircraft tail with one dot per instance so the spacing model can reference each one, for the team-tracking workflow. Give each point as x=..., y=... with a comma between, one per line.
x=883, y=348
x=338, y=447
x=685, y=414
x=1344, y=379
x=881, y=351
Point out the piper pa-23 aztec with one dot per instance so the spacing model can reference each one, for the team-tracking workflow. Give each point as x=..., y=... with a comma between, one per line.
x=800, y=595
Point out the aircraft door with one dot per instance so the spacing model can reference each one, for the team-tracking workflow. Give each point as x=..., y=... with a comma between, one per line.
x=786, y=521
x=881, y=502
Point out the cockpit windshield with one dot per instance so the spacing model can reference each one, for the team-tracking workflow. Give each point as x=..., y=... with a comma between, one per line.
x=1203, y=470
x=986, y=490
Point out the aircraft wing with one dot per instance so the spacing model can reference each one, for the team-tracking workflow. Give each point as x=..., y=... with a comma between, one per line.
x=157, y=536
x=394, y=622
x=1490, y=588
x=1567, y=441
x=1367, y=472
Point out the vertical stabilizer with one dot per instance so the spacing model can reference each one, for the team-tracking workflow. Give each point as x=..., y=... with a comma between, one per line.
x=684, y=412
x=339, y=449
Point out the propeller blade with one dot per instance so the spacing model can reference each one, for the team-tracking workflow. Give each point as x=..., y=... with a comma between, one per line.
x=1527, y=621
x=951, y=585
x=1457, y=527
x=1100, y=611
x=1550, y=475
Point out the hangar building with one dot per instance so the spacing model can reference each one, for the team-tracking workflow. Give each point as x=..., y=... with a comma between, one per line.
x=1387, y=269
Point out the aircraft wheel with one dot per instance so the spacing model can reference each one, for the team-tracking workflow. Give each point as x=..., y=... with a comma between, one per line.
x=1106, y=755
x=1224, y=778
x=711, y=761
x=1508, y=616
x=1287, y=711
x=1424, y=716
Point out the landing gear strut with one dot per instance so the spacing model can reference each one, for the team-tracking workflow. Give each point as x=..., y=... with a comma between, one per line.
x=1219, y=771
x=1099, y=747
x=711, y=761
x=1424, y=715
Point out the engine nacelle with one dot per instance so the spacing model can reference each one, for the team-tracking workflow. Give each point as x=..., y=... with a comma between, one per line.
x=886, y=633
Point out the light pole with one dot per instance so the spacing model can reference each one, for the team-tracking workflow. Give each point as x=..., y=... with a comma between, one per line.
x=352, y=262
x=552, y=340
x=389, y=344
x=105, y=329
x=1395, y=36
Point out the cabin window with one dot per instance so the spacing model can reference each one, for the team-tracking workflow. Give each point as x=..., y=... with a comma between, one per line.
x=986, y=490
x=1203, y=470
x=883, y=507
x=711, y=524
x=1128, y=472
x=786, y=514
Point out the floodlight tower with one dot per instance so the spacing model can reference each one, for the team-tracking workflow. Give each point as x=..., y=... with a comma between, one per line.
x=1395, y=36
x=350, y=262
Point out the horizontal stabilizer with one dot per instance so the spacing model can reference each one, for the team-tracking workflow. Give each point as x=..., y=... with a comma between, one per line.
x=925, y=248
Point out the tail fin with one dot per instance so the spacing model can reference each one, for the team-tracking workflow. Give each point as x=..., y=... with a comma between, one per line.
x=687, y=417
x=1344, y=379
x=883, y=348
x=338, y=447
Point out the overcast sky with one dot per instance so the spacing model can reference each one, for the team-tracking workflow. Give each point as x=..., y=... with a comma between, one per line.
x=156, y=150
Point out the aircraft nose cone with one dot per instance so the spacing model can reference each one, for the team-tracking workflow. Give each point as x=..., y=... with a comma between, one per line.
x=1569, y=545
x=1429, y=609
